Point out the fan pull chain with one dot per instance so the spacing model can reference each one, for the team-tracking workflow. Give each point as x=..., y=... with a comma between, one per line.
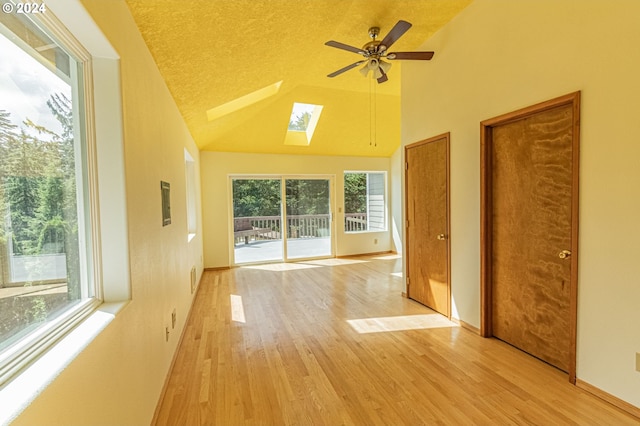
x=373, y=112
x=370, y=113
x=374, y=82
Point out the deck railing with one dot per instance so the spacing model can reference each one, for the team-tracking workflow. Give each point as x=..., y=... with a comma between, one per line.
x=298, y=226
x=354, y=222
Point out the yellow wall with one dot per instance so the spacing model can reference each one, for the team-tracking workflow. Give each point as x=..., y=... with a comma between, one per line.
x=217, y=166
x=501, y=55
x=117, y=379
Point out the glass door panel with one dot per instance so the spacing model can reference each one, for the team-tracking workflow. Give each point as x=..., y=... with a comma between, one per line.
x=257, y=220
x=308, y=217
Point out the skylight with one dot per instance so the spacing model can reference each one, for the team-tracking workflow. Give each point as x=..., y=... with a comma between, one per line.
x=301, y=116
x=302, y=123
x=243, y=101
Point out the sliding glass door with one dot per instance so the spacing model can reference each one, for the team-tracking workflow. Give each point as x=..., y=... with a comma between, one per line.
x=257, y=220
x=277, y=219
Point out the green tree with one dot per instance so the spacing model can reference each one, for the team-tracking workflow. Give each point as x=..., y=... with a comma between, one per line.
x=300, y=122
x=58, y=208
x=7, y=134
x=38, y=187
x=7, y=129
x=31, y=156
x=256, y=197
x=307, y=196
x=355, y=192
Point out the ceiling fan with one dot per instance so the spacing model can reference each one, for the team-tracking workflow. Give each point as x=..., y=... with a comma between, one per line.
x=375, y=51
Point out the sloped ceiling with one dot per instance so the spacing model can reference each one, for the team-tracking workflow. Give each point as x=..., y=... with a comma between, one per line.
x=211, y=52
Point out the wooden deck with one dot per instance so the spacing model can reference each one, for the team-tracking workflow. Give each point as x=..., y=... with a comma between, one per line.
x=332, y=342
x=271, y=250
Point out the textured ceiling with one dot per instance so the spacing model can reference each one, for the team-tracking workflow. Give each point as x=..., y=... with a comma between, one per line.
x=211, y=52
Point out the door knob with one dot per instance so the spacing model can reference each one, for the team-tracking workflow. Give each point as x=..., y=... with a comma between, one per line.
x=564, y=254
x=441, y=237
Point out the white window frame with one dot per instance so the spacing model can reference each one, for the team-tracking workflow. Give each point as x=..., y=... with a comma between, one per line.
x=106, y=205
x=385, y=219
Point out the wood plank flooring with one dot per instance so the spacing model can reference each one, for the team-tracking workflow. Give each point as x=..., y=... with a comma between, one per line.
x=332, y=342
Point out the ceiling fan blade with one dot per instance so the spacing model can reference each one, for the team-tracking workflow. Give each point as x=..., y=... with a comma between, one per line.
x=420, y=56
x=396, y=32
x=347, y=68
x=383, y=77
x=343, y=46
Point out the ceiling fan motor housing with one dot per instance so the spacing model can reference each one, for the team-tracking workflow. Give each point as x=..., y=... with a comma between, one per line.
x=372, y=46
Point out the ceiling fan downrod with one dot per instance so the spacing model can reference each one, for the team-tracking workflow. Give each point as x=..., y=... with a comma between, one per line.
x=372, y=47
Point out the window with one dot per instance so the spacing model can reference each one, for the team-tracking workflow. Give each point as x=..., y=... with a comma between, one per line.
x=47, y=275
x=364, y=201
x=190, y=170
x=302, y=124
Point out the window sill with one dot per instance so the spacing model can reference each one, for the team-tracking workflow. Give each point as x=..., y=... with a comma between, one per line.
x=373, y=231
x=17, y=394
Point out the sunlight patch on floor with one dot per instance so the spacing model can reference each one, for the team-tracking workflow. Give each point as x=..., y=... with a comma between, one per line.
x=280, y=267
x=400, y=323
x=391, y=256
x=237, y=310
x=335, y=262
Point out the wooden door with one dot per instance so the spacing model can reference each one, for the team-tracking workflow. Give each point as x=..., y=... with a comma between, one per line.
x=427, y=231
x=530, y=161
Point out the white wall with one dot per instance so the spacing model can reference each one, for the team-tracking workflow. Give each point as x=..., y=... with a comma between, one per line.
x=501, y=55
x=397, y=173
x=118, y=377
x=217, y=166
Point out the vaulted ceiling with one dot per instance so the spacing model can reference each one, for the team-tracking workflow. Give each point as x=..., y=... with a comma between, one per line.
x=211, y=52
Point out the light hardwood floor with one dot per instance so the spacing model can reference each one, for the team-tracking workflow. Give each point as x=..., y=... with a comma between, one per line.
x=332, y=342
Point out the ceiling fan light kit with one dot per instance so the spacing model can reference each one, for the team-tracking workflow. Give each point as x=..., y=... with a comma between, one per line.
x=375, y=50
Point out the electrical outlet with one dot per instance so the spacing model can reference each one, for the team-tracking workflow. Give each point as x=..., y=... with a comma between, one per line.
x=166, y=333
x=375, y=241
x=173, y=319
x=638, y=362
x=193, y=279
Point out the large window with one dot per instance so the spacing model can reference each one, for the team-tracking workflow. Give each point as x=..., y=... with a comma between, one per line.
x=46, y=273
x=190, y=172
x=364, y=201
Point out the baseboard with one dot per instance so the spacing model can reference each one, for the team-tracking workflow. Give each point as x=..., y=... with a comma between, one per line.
x=466, y=325
x=346, y=256
x=175, y=355
x=613, y=400
x=375, y=253
x=218, y=268
x=469, y=327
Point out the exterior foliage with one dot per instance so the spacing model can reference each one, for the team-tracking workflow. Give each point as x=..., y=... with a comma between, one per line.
x=261, y=197
x=300, y=122
x=355, y=192
x=38, y=189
